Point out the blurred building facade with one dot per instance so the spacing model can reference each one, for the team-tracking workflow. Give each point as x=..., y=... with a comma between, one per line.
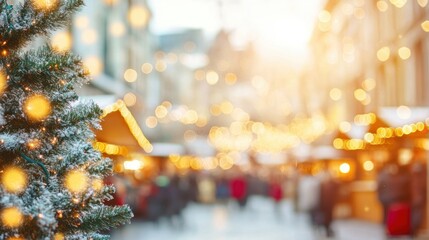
x=371, y=54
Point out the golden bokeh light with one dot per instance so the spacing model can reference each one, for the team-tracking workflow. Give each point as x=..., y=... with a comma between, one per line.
x=335, y=94
x=345, y=127
x=44, y=5
x=382, y=6
x=147, y=68
x=324, y=16
x=12, y=217
x=212, y=77
x=3, y=81
x=97, y=184
x=61, y=41
x=110, y=2
x=151, y=122
x=76, y=181
x=398, y=3
x=14, y=180
x=138, y=16
x=360, y=94
x=130, y=75
x=130, y=99
x=82, y=22
x=37, y=107
x=230, y=78
x=344, y=168
x=15, y=238
x=422, y=3
x=59, y=236
x=368, y=166
x=94, y=65
x=117, y=29
x=383, y=54
x=403, y=112
x=369, y=84
x=161, y=111
x=425, y=26
x=160, y=66
x=404, y=53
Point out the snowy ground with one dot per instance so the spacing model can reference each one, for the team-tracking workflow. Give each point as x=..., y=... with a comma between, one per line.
x=258, y=221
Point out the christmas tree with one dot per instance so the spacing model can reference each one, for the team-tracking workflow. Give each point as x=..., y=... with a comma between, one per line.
x=50, y=175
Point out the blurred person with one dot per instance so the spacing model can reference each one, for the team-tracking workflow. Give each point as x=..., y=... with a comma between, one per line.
x=206, y=189
x=328, y=198
x=175, y=202
x=418, y=195
x=276, y=193
x=222, y=189
x=238, y=189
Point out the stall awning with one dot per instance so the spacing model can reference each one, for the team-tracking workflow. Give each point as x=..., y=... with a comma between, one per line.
x=120, y=132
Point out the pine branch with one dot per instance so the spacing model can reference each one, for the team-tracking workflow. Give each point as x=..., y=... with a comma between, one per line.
x=105, y=218
x=21, y=24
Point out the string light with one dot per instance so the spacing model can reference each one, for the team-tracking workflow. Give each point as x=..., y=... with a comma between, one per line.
x=59, y=236
x=12, y=217
x=37, y=107
x=3, y=81
x=14, y=180
x=76, y=181
x=45, y=5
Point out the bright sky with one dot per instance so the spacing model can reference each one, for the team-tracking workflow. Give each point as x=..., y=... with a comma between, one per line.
x=281, y=28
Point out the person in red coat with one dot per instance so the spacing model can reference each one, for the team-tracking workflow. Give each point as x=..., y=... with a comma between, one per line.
x=238, y=190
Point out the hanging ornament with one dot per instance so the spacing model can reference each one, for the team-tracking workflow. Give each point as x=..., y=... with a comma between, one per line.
x=3, y=81
x=44, y=5
x=37, y=107
x=76, y=181
x=11, y=217
x=14, y=180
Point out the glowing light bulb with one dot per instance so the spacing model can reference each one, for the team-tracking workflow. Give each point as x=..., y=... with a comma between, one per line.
x=14, y=180
x=345, y=168
x=138, y=16
x=62, y=41
x=37, y=107
x=3, y=81
x=44, y=5
x=11, y=217
x=76, y=181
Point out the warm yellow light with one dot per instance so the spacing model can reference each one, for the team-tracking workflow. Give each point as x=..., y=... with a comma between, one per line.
x=425, y=26
x=382, y=6
x=130, y=75
x=324, y=16
x=345, y=168
x=93, y=65
x=369, y=137
x=160, y=66
x=138, y=16
x=215, y=110
x=12, y=217
x=338, y=143
x=130, y=99
x=212, y=77
x=82, y=22
x=61, y=41
x=345, y=127
x=59, y=236
x=368, y=165
x=111, y=2
x=226, y=107
x=37, y=107
x=45, y=5
x=367, y=100
x=97, y=184
x=398, y=3
x=3, y=81
x=76, y=181
x=14, y=180
x=360, y=94
x=117, y=29
x=89, y=36
x=199, y=75
x=161, y=111
x=335, y=94
x=422, y=3
x=403, y=112
x=404, y=53
x=369, y=84
x=15, y=238
x=383, y=54
x=133, y=165
x=230, y=78
x=147, y=68
x=151, y=122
